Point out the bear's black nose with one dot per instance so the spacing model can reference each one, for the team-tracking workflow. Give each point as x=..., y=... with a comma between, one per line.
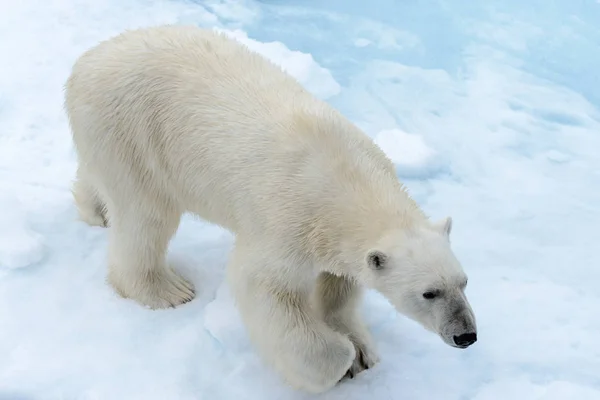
x=465, y=340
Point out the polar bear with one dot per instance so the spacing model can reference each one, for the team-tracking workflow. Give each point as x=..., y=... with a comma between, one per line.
x=173, y=119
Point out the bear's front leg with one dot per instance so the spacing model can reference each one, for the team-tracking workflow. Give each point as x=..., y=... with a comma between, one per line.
x=138, y=241
x=301, y=347
x=336, y=300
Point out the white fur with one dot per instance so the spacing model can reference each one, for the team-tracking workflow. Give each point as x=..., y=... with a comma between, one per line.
x=169, y=120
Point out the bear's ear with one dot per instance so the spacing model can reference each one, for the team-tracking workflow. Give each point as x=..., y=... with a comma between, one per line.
x=444, y=226
x=377, y=259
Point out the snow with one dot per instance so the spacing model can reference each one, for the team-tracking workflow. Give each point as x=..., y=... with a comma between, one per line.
x=490, y=111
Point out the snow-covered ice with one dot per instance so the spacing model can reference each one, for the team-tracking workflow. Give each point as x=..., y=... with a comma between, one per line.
x=491, y=112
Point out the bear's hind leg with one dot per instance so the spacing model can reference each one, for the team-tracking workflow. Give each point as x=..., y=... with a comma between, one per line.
x=138, y=242
x=336, y=301
x=276, y=311
x=91, y=208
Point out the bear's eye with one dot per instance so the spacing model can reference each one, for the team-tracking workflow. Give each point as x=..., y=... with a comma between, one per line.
x=430, y=295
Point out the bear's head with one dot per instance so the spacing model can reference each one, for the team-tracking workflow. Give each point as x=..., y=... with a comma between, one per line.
x=416, y=270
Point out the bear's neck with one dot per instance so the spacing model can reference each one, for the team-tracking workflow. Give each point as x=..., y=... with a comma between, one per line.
x=369, y=200
x=351, y=227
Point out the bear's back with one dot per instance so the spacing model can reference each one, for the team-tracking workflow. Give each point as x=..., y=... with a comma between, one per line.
x=187, y=67
x=227, y=130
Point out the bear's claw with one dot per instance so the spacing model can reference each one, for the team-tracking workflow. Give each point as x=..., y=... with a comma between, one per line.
x=363, y=361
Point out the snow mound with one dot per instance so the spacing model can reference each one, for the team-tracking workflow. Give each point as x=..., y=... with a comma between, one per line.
x=20, y=246
x=222, y=321
x=302, y=66
x=409, y=152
